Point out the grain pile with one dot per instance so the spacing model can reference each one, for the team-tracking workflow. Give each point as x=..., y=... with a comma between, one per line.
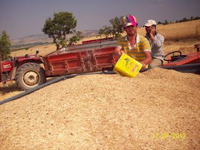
x=106, y=112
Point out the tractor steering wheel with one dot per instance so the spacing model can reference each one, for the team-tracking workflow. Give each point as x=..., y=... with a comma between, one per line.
x=173, y=55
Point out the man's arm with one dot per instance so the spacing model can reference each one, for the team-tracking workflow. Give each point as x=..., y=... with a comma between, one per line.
x=118, y=50
x=147, y=60
x=159, y=40
x=147, y=51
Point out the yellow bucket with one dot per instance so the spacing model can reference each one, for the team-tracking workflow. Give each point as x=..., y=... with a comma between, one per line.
x=127, y=66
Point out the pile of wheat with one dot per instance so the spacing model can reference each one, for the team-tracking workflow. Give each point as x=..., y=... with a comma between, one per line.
x=107, y=112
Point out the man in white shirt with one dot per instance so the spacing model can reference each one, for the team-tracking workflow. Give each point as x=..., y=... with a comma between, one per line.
x=156, y=41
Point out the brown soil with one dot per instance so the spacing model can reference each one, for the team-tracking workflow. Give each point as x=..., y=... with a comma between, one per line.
x=107, y=112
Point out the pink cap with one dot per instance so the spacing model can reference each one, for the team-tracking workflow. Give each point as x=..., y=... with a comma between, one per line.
x=129, y=20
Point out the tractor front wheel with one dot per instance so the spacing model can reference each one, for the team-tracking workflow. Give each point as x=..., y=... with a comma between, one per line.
x=30, y=75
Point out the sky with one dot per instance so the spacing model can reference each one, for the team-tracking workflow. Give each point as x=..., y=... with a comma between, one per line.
x=20, y=18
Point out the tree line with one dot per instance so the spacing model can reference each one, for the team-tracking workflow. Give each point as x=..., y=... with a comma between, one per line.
x=181, y=20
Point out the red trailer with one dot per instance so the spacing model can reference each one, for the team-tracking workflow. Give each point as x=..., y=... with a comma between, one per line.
x=57, y=64
x=28, y=72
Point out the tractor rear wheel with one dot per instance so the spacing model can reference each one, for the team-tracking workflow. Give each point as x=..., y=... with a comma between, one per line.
x=30, y=75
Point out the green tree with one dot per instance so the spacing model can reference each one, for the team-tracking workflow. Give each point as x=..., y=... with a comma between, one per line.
x=115, y=30
x=101, y=32
x=4, y=45
x=63, y=23
x=196, y=18
x=116, y=26
x=106, y=30
x=76, y=38
x=166, y=22
x=184, y=20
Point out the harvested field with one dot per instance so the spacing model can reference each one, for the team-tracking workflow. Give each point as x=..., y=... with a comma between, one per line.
x=107, y=112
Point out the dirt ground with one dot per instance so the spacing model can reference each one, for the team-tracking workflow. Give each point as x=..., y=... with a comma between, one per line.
x=159, y=109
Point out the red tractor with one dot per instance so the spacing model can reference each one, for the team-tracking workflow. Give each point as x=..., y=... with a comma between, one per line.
x=32, y=70
x=184, y=63
x=25, y=70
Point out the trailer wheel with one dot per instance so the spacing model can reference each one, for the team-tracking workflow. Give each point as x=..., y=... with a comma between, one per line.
x=30, y=75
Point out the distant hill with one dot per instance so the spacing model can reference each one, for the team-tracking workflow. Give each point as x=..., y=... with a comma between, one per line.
x=42, y=38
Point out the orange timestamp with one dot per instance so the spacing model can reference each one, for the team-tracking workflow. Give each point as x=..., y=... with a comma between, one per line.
x=174, y=136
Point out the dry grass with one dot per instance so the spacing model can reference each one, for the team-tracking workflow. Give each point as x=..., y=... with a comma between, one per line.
x=178, y=31
x=43, y=50
x=8, y=90
x=181, y=31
